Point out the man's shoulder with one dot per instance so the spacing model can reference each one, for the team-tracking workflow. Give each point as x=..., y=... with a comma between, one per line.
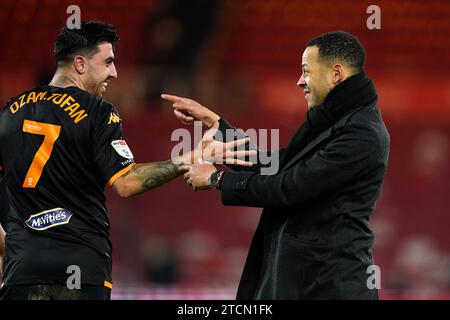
x=97, y=106
x=105, y=109
x=21, y=94
x=104, y=113
x=368, y=125
x=87, y=98
x=91, y=99
x=368, y=116
x=371, y=118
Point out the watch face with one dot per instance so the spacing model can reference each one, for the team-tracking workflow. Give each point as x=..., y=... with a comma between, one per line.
x=214, y=178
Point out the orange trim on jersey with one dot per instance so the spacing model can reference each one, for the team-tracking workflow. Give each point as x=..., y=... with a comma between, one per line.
x=107, y=284
x=121, y=172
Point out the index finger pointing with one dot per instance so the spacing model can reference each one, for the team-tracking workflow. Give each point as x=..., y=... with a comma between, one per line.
x=172, y=98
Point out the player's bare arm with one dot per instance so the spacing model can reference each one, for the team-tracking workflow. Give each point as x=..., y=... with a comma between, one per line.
x=147, y=176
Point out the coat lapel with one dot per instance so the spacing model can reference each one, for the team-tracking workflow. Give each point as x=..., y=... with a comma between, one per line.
x=323, y=136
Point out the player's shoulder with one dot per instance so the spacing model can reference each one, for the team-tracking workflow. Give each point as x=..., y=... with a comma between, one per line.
x=96, y=106
x=89, y=100
x=101, y=110
x=104, y=108
x=17, y=97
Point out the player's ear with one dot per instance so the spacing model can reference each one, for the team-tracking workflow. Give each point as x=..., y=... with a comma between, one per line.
x=79, y=63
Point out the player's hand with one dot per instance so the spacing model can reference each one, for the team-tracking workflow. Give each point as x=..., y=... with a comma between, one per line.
x=198, y=176
x=213, y=151
x=187, y=110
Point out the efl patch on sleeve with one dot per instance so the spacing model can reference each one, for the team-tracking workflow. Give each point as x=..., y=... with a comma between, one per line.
x=122, y=149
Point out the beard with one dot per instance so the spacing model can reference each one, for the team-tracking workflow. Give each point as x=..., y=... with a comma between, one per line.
x=100, y=88
x=99, y=91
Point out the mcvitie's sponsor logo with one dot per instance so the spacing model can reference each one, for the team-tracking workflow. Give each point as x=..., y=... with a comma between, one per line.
x=48, y=219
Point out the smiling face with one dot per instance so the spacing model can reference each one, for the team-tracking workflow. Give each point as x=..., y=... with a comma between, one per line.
x=100, y=69
x=317, y=78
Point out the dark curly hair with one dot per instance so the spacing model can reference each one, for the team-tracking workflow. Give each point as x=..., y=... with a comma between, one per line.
x=84, y=40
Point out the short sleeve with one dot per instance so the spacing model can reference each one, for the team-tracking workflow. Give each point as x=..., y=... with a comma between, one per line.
x=111, y=152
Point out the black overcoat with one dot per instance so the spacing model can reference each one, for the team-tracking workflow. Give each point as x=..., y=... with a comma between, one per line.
x=313, y=240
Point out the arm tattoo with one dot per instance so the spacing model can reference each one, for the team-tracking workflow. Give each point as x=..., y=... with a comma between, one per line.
x=153, y=175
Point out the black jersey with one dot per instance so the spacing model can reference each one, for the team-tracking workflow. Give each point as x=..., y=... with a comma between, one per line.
x=59, y=147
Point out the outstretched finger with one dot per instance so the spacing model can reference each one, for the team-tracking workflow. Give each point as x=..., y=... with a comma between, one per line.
x=173, y=98
x=238, y=162
x=240, y=153
x=237, y=143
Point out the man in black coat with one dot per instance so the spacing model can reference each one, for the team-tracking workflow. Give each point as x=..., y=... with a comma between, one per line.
x=4, y=208
x=313, y=240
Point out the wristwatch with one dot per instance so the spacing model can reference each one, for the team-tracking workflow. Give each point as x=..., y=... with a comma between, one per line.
x=215, y=179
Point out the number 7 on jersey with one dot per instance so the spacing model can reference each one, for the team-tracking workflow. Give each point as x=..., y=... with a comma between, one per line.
x=51, y=134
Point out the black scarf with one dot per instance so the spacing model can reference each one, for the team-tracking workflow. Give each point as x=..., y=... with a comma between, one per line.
x=347, y=96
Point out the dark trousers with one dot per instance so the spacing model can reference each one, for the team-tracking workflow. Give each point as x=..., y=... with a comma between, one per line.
x=54, y=292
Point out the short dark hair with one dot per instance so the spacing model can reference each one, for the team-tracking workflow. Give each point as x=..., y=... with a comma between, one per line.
x=340, y=45
x=84, y=40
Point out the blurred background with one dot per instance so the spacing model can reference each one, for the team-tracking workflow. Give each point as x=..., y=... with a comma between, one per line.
x=242, y=59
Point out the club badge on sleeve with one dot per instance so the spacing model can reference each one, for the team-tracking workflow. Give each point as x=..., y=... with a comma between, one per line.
x=122, y=148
